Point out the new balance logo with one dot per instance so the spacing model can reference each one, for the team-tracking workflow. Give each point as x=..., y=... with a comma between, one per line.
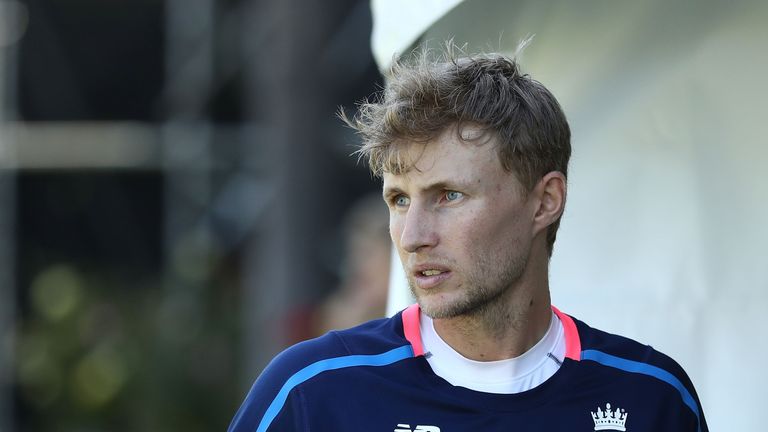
x=419, y=428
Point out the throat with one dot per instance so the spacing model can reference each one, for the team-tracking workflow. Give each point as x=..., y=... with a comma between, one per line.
x=496, y=331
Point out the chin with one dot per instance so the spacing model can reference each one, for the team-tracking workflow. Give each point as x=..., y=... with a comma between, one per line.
x=441, y=306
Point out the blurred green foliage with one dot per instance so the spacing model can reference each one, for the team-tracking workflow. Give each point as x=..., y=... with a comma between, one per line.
x=96, y=354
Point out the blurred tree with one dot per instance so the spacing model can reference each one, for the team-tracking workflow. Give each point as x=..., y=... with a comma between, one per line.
x=132, y=281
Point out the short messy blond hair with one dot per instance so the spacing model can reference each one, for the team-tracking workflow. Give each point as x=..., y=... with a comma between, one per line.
x=426, y=94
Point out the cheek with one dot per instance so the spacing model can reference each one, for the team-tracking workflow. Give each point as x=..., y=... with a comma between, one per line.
x=395, y=228
x=477, y=237
x=467, y=235
x=494, y=229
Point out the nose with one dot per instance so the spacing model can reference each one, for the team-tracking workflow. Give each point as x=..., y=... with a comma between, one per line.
x=418, y=229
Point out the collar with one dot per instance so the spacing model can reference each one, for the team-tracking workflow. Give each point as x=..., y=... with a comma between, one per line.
x=412, y=332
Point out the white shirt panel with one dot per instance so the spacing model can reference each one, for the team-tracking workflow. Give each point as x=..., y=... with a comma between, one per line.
x=513, y=375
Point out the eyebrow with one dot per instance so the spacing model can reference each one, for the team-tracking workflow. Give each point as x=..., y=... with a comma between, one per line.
x=391, y=192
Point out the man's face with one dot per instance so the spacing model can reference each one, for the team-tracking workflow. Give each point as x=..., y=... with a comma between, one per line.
x=462, y=225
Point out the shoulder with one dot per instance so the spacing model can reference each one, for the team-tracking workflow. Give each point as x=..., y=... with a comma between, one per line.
x=624, y=353
x=337, y=349
x=269, y=401
x=640, y=362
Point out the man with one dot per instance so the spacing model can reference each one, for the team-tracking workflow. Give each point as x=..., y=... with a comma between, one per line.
x=474, y=157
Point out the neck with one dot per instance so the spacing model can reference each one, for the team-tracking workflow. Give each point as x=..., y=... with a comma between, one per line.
x=505, y=328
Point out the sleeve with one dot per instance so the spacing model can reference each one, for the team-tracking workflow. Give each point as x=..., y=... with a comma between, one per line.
x=678, y=403
x=692, y=402
x=689, y=409
x=261, y=412
x=275, y=402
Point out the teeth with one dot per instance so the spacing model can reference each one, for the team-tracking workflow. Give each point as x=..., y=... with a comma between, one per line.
x=431, y=272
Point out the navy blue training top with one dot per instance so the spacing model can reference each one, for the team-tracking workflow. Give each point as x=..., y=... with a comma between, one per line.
x=375, y=377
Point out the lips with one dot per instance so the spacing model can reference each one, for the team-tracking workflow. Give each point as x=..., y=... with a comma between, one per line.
x=428, y=275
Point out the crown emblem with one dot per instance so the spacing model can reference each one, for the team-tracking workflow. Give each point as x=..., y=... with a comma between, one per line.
x=610, y=419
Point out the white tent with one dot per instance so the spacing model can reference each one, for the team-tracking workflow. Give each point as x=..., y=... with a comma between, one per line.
x=664, y=234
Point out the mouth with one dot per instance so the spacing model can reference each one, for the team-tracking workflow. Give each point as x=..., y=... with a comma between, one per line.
x=429, y=276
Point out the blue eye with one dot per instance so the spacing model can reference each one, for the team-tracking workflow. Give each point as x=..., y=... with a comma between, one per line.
x=402, y=200
x=453, y=195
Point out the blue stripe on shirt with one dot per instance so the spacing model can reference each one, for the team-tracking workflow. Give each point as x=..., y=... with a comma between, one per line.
x=645, y=369
x=312, y=370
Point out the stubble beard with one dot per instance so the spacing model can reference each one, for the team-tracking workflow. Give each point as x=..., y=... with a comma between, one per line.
x=483, y=289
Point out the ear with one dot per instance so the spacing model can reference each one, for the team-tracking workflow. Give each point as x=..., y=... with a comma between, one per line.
x=550, y=191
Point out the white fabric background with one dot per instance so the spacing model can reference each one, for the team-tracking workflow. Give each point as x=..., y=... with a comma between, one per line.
x=664, y=237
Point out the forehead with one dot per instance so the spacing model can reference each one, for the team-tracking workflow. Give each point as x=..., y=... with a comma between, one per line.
x=469, y=154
